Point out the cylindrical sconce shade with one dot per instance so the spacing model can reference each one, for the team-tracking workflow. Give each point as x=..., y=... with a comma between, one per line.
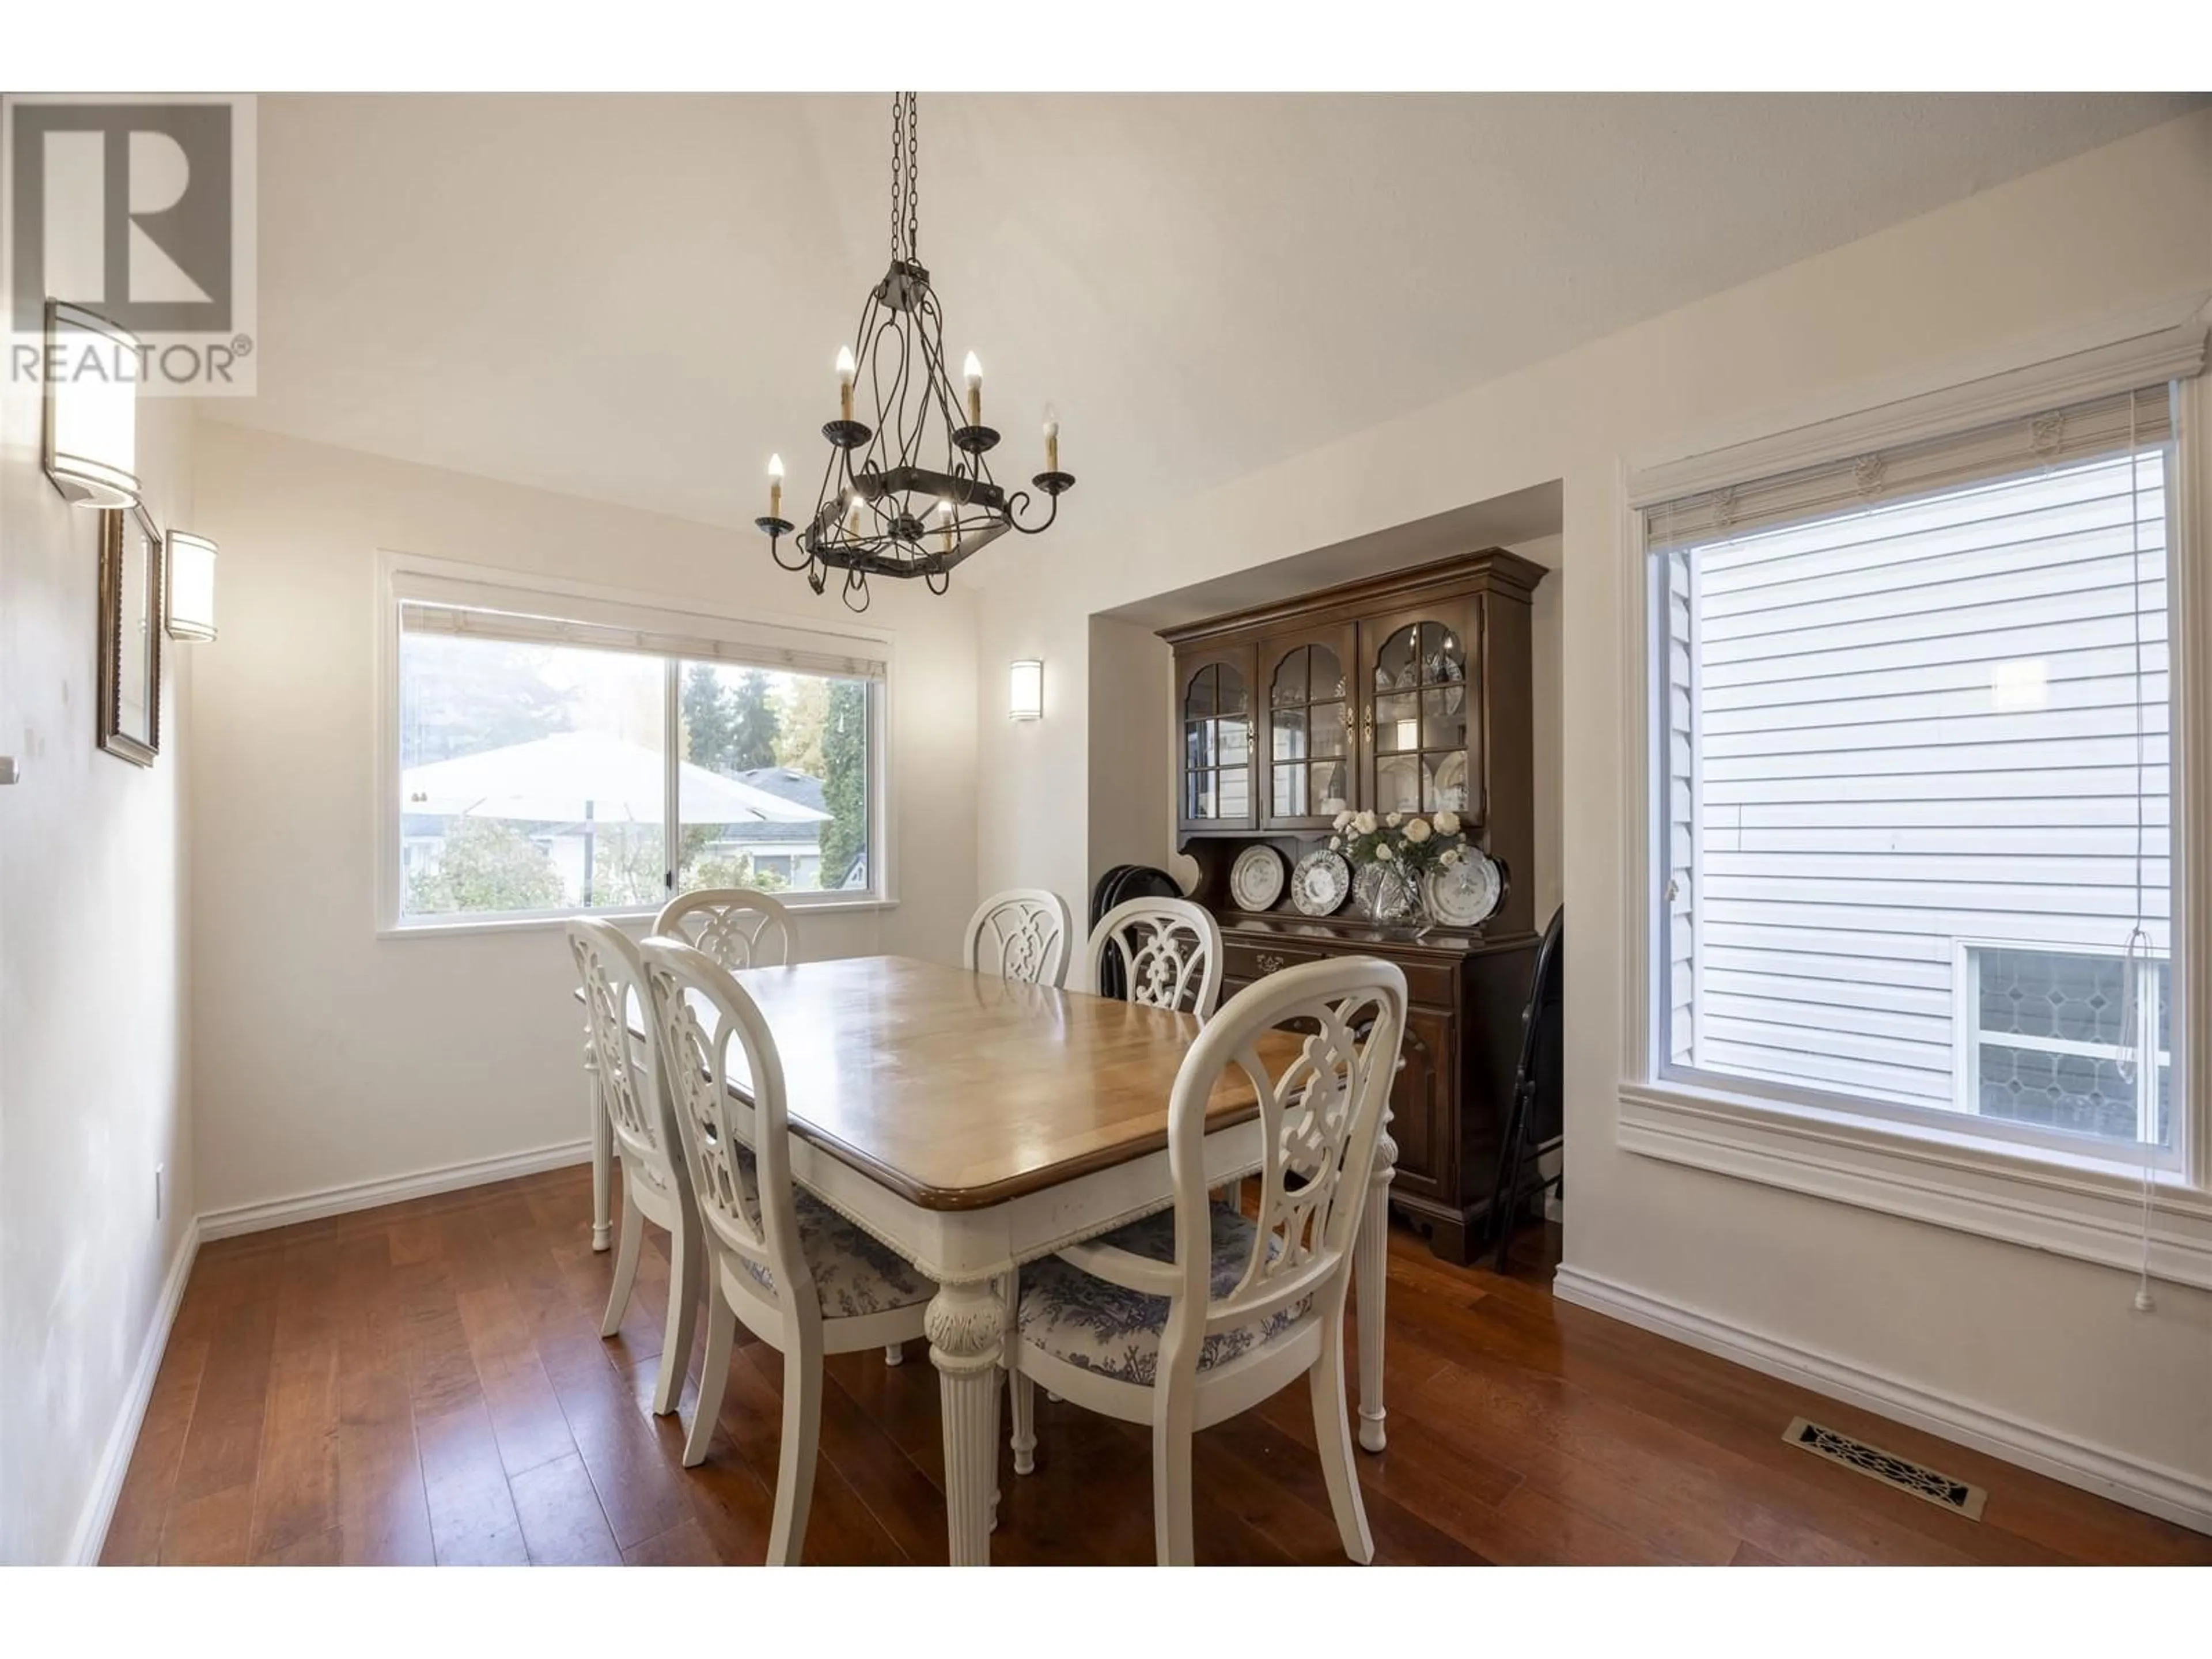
x=91, y=408
x=188, y=603
x=1026, y=691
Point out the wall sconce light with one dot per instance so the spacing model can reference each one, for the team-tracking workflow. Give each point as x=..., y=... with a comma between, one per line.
x=188, y=602
x=1026, y=691
x=91, y=436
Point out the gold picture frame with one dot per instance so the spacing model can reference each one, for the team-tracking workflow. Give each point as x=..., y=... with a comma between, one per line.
x=130, y=552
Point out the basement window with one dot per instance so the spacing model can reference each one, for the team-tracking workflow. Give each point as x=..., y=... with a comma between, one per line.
x=2053, y=1037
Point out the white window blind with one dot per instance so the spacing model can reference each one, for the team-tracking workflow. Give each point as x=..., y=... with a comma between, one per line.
x=2059, y=437
x=434, y=604
x=1912, y=700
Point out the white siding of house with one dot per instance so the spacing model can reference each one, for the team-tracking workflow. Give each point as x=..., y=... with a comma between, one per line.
x=1869, y=787
x=1681, y=839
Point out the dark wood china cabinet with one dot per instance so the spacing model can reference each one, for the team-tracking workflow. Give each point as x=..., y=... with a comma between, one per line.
x=1218, y=788
x=1409, y=693
x=1309, y=727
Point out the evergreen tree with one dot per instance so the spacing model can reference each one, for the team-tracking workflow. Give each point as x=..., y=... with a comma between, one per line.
x=753, y=722
x=845, y=780
x=710, y=720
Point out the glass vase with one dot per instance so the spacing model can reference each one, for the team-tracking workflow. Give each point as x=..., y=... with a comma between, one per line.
x=1391, y=895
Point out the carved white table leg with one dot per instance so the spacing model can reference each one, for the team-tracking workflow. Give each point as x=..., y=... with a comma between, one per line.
x=964, y=1325
x=602, y=1154
x=1371, y=1264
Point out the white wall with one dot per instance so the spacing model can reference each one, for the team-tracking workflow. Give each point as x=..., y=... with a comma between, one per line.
x=93, y=1050
x=2000, y=278
x=328, y=1057
x=1544, y=610
x=1132, y=736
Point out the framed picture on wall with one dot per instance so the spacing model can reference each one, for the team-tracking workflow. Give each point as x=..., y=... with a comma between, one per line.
x=130, y=636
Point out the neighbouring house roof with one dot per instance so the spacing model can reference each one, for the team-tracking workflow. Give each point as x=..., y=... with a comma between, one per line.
x=801, y=787
x=569, y=776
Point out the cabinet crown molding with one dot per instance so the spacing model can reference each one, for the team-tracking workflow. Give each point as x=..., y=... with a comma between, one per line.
x=1491, y=569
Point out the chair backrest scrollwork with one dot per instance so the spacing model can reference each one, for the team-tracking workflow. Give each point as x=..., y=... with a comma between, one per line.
x=1019, y=934
x=613, y=978
x=736, y=926
x=1321, y=1114
x=714, y=1053
x=1170, y=950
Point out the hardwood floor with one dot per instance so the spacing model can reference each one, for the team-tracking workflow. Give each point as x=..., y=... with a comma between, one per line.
x=427, y=1382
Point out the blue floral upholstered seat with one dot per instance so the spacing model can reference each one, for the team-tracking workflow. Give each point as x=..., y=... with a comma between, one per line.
x=1108, y=1328
x=854, y=1274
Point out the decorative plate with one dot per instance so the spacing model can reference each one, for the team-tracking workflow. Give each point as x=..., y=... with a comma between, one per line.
x=1467, y=894
x=1451, y=782
x=1256, y=881
x=1320, y=883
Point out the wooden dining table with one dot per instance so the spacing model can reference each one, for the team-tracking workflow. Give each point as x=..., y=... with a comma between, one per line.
x=974, y=1123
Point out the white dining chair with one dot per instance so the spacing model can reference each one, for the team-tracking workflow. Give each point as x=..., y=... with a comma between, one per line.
x=1170, y=953
x=1191, y=1316
x=656, y=1186
x=800, y=1277
x=1019, y=934
x=738, y=927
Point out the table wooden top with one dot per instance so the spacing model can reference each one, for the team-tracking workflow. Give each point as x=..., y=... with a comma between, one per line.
x=959, y=1091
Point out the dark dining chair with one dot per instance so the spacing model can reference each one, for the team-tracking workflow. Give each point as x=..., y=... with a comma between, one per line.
x=1118, y=886
x=1536, y=1080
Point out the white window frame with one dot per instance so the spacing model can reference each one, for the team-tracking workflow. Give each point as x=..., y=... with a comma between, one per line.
x=646, y=613
x=2087, y=1203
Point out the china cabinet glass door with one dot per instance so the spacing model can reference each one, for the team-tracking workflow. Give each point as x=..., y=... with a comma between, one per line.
x=1309, y=729
x=1421, y=736
x=1217, y=743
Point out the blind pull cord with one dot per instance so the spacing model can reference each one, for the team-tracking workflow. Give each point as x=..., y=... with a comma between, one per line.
x=2138, y=1059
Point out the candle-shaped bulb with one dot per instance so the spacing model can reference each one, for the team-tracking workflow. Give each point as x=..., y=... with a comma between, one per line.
x=972, y=371
x=845, y=370
x=1051, y=439
x=945, y=520
x=775, y=486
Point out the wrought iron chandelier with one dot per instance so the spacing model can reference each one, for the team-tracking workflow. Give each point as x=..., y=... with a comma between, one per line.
x=911, y=494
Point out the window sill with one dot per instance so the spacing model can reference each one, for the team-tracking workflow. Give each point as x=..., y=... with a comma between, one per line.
x=639, y=921
x=2089, y=1211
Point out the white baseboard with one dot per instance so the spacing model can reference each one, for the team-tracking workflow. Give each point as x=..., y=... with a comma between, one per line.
x=2172, y=1493
x=393, y=1190
x=91, y=1535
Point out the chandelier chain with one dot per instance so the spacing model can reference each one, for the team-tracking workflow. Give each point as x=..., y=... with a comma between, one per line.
x=898, y=166
x=906, y=170
x=913, y=174
x=888, y=504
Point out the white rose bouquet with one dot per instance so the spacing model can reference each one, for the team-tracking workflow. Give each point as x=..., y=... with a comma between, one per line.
x=1411, y=844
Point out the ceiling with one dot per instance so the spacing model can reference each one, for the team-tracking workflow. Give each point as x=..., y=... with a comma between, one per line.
x=638, y=298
